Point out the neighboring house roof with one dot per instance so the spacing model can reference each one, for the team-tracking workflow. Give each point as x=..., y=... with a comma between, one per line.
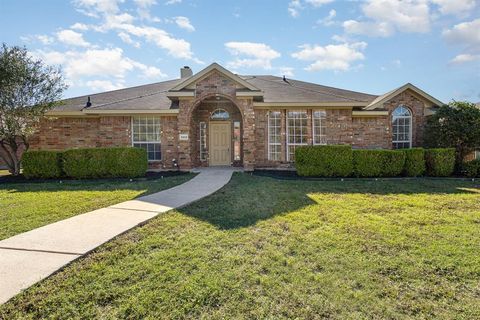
x=378, y=102
x=270, y=89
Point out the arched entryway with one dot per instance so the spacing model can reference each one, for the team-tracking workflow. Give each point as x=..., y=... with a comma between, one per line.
x=217, y=130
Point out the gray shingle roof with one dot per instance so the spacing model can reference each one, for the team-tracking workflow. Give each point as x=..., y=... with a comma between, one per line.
x=277, y=90
x=153, y=96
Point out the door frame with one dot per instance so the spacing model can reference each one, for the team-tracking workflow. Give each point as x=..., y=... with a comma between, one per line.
x=210, y=135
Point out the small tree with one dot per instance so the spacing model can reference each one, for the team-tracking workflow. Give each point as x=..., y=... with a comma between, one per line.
x=28, y=89
x=456, y=125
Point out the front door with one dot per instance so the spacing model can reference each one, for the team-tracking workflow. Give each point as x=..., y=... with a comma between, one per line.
x=220, y=141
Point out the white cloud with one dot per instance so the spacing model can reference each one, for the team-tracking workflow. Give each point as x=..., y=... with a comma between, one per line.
x=169, y=2
x=143, y=9
x=465, y=33
x=184, y=23
x=94, y=7
x=386, y=16
x=44, y=39
x=295, y=6
x=258, y=55
x=114, y=20
x=127, y=39
x=105, y=63
x=455, y=7
x=372, y=29
x=79, y=26
x=328, y=20
x=104, y=85
x=72, y=38
x=339, y=57
x=318, y=3
x=465, y=57
x=467, y=36
x=286, y=71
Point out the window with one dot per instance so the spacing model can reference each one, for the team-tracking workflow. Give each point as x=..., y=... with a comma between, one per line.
x=319, y=133
x=274, y=135
x=402, y=128
x=220, y=114
x=146, y=135
x=236, y=140
x=203, y=141
x=477, y=154
x=296, y=132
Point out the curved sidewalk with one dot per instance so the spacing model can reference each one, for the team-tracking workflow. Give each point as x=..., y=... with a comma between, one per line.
x=34, y=255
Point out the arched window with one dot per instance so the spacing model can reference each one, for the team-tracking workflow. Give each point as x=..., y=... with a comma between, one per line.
x=402, y=128
x=220, y=114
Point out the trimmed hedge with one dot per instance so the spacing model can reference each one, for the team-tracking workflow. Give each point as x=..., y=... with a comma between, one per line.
x=42, y=164
x=440, y=162
x=414, y=162
x=324, y=161
x=472, y=168
x=105, y=162
x=378, y=163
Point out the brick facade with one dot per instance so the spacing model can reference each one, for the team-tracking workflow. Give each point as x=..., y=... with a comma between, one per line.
x=216, y=90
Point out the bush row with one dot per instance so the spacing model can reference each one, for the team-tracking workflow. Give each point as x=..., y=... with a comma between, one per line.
x=342, y=161
x=472, y=168
x=85, y=163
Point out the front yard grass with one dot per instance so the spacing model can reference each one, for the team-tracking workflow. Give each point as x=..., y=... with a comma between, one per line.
x=269, y=249
x=26, y=206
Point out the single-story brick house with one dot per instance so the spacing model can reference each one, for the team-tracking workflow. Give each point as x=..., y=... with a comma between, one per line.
x=217, y=118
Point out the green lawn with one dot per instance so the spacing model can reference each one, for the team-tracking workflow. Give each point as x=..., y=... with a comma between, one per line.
x=26, y=206
x=269, y=249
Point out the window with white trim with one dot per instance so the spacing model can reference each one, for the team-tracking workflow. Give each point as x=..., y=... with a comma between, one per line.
x=203, y=141
x=318, y=124
x=146, y=135
x=402, y=128
x=220, y=114
x=274, y=135
x=477, y=154
x=296, y=132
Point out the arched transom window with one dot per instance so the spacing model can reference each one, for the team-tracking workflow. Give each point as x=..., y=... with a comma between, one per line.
x=220, y=114
x=402, y=128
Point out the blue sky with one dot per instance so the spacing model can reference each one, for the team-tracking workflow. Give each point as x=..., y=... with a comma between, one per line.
x=371, y=46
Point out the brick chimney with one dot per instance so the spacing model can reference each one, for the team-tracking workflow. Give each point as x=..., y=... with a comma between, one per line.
x=186, y=72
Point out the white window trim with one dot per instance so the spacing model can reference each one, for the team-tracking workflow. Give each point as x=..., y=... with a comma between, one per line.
x=410, y=117
x=477, y=154
x=288, y=144
x=268, y=136
x=156, y=142
x=203, y=156
x=322, y=124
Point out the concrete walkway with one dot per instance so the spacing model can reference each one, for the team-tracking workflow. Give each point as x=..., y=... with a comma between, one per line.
x=34, y=255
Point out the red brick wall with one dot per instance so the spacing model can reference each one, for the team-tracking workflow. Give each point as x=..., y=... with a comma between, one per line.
x=64, y=133
x=371, y=133
x=409, y=99
x=212, y=85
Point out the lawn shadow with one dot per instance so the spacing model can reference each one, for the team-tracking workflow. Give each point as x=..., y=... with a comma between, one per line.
x=148, y=185
x=247, y=199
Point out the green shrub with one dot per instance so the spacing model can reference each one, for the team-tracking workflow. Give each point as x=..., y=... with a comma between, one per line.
x=378, y=163
x=42, y=164
x=440, y=162
x=324, y=161
x=414, y=162
x=105, y=162
x=472, y=168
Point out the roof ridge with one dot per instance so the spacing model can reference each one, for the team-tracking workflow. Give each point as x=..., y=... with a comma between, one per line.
x=318, y=91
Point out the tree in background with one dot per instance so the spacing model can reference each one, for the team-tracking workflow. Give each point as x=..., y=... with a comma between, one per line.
x=28, y=89
x=456, y=125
